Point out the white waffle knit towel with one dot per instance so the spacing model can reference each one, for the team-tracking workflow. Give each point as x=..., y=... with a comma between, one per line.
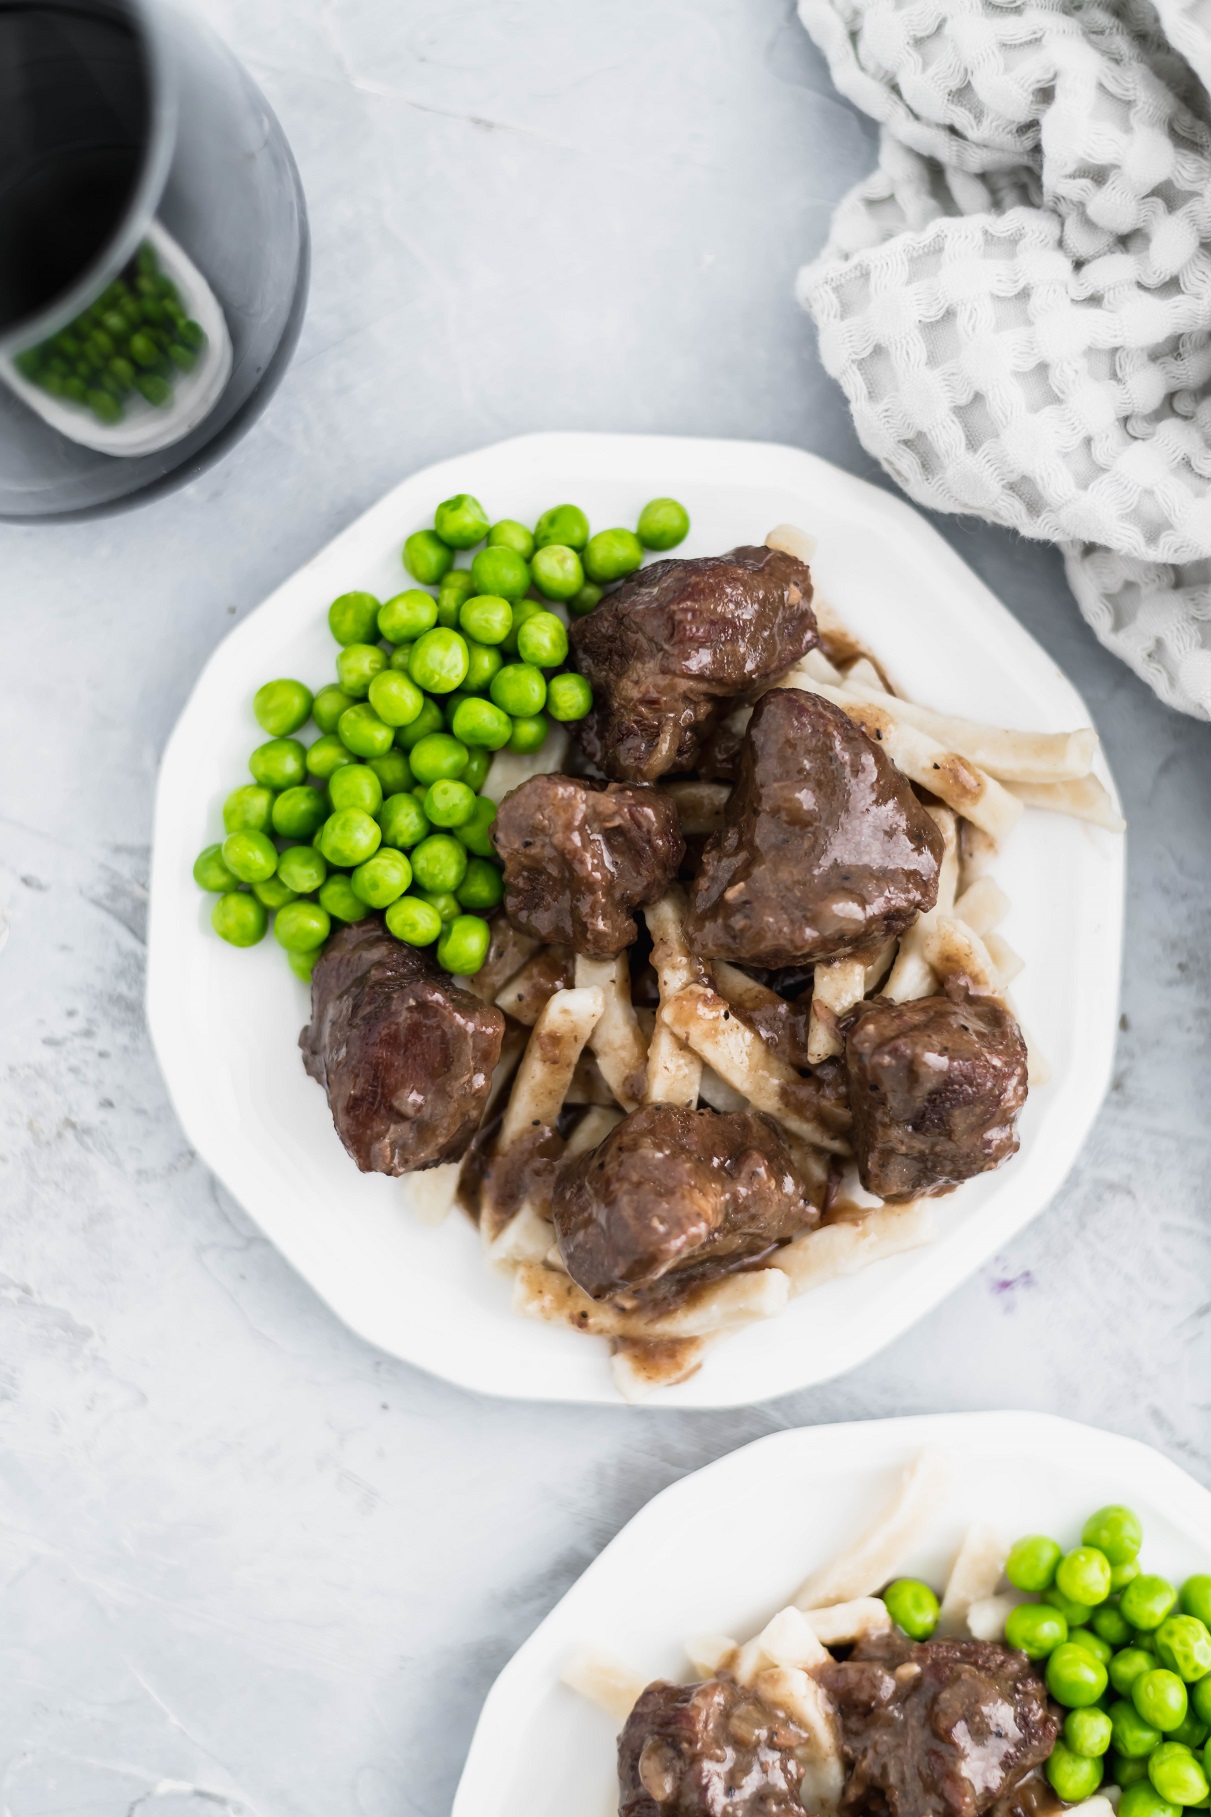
x=1017, y=302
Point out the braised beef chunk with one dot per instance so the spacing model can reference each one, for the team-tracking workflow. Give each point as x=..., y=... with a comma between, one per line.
x=673, y=1197
x=679, y=641
x=935, y=1087
x=943, y=1728
x=404, y=1053
x=708, y=1750
x=580, y=855
x=824, y=847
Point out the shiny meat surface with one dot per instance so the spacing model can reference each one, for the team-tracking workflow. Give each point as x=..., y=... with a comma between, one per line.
x=404, y=1053
x=824, y=847
x=673, y=1197
x=580, y=855
x=935, y=1088
x=679, y=641
x=708, y=1750
x=943, y=1728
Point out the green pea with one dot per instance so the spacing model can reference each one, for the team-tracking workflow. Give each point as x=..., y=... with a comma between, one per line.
x=509, y=534
x=663, y=523
x=328, y=705
x=1125, y=1668
x=1130, y=1734
x=122, y=370
x=479, y=762
x=1200, y=1698
x=519, y=690
x=301, y=926
x=522, y=610
x=356, y=667
x=326, y=756
x=582, y=603
x=250, y=856
x=557, y=571
x=529, y=732
x=1092, y=1642
x=193, y=334
x=1087, y=1732
x=281, y=707
x=1184, y=1645
x=463, y=946
x=427, y=558
x=487, y=618
x=209, y=871
x=143, y=349
x=482, y=887
x=349, y=836
x=407, y=616
x=1192, y=1732
x=439, y=862
x=393, y=771
x=414, y=921
x=444, y=901
x=356, y=786
x=611, y=554
x=403, y=821
x=155, y=389
x=273, y=892
x=1176, y=1774
x=279, y=764
x=438, y=757
x=453, y=594
x=381, y=879
x=363, y=732
x=1083, y=1575
x=1116, y=1531
x=438, y=661
x=1196, y=1598
x=337, y=897
x=303, y=964
x=461, y=521
x=479, y=723
x=913, y=1607
x=449, y=804
x=1147, y=1600
x=1074, y=1777
x=1075, y=1677
x=250, y=807
x=76, y=389
x=566, y=524
x=239, y=919
x=476, y=833
x=1127, y=1772
x=353, y=618
x=302, y=869
x=1109, y=1624
x=500, y=571
x=543, y=641
x=1036, y=1629
x=1076, y=1614
x=429, y=719
x=299, y=813
x=483, y=663
x=1161, y=1698
x=569, y=697
x=183, y=358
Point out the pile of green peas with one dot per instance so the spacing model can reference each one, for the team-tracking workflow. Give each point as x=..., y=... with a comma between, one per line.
x=383, y=811
x=1128, y=1656
x=136, y=337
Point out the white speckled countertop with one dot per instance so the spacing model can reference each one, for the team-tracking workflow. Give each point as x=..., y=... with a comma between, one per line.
x=247, y=1564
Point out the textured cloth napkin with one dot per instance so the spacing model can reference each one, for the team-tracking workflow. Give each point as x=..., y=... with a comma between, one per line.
x=1017, y=301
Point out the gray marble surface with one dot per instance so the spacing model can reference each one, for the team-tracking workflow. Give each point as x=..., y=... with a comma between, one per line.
x=246, y=1563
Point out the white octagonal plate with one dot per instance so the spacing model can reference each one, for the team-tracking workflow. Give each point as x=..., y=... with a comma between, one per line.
x=225, y=1023
x=722, y=1550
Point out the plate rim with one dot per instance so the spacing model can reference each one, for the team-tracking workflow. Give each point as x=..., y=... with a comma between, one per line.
x=337, y=1289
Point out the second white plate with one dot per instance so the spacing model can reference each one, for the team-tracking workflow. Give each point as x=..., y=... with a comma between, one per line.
x=226, y=1023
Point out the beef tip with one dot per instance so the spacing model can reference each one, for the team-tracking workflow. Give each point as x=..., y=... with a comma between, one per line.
x=580, y=855
x=676, y=644
x=404, y=1053
x=824, y=847
x=935, y=1088
x=673, y=1197
x=943, y=1728
x=708, y=1750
